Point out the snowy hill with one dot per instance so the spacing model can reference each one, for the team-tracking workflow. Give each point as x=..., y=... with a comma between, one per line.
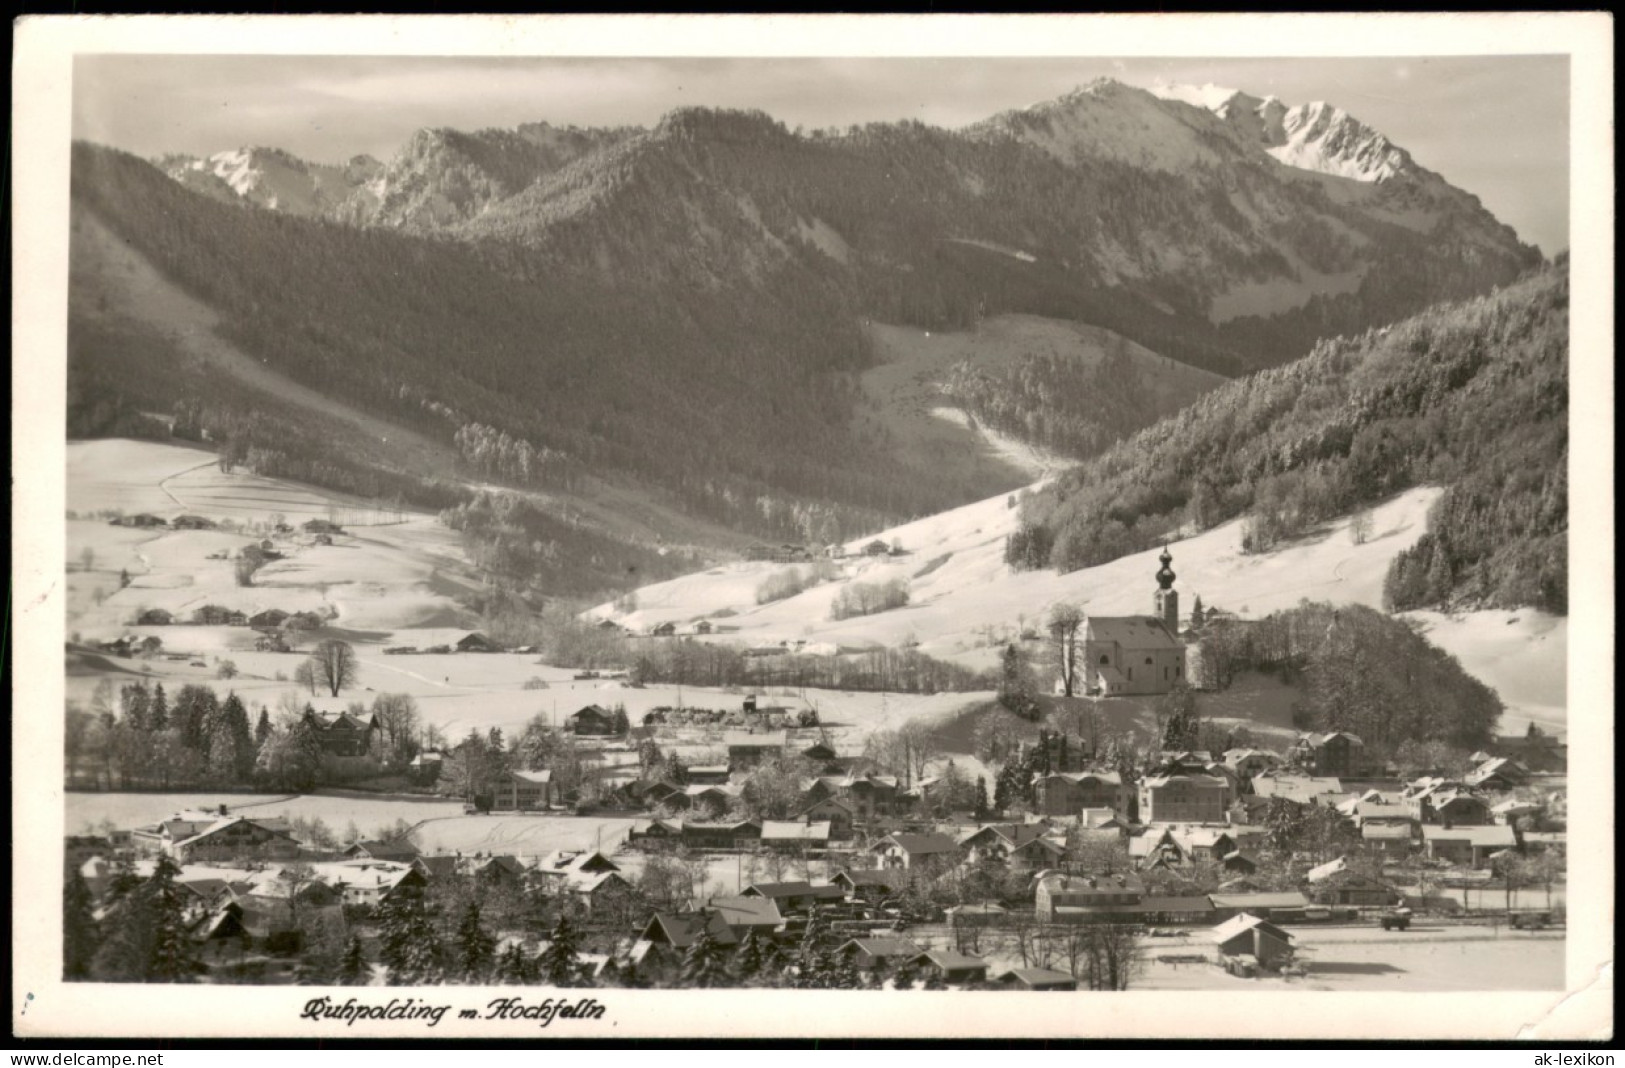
x=966, y=603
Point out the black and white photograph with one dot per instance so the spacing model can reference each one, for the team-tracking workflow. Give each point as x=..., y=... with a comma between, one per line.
x=894, y=515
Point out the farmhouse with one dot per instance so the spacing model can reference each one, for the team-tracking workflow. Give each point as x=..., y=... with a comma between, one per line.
x=523, y=791
x=591, y=720
x=346, y=734
x=224, y=838
x=477, y=643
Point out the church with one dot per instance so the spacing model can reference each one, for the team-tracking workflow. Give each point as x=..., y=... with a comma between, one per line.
x=1136, y=654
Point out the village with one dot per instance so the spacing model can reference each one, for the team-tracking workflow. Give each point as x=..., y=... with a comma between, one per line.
x=747, y=847
x=681, y=803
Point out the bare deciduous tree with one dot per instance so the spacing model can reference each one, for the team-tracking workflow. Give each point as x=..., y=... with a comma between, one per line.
x=335, y=665
x=1065, y=623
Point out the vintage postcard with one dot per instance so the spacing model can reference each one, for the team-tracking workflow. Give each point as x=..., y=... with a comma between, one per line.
x=577, y=527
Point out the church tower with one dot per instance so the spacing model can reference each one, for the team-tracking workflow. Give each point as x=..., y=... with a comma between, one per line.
x=1167, y=601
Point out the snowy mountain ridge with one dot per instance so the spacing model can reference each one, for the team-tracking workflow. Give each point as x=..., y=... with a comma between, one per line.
x=1313, y=137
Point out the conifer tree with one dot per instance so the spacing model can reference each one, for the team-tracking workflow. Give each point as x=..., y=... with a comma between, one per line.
x=705, y=962
x=136, y=702
x=476, y=949
x=353, y=969
x=158, y=712
x=750, y=957
x=408, y=942
x=515, y=967
x=172, y=959
x=560, y=961
x=906, y=976
x=262, y=729
x=79, y=931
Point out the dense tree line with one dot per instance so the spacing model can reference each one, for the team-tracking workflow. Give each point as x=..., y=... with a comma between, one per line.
x=628, y=377
x=140, y=737
x=522, y=546
x=1058, y=401
x=1363, y=672
x=1471, y=395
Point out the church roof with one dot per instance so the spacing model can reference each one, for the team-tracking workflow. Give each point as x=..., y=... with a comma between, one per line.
x=1130, y=632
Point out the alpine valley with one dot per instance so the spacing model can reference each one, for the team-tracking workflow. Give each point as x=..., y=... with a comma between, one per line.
x=666, y=342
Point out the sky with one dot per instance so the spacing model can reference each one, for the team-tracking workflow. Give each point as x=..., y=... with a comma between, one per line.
x=1494, y=125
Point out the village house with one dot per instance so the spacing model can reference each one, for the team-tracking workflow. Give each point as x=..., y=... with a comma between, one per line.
x=663, y=630
x=868, y=795
x=1184, y=798
x=1247, y=763
x=190, y=839
x=1287, y=905
x=708, y=775
x=722, y=835
x=1336, y=754
x=477, y=643
x=1062, y=898
x=1498, y=774
x=786, y=836
x=1512, y=810
x=1253, y=938
x=400, y=850
x=796, y=896
x=523, y=791
x=268, y=619
x=1451, y=807
x=951, y=967
x=1066, y=793
x=369, y=882
x=1390, y=839
x=747, y=750
x=1022, y=846
x=1469, y=846
x=916, y=852
x=870, y=884
x=1035, y=979
x=745, y=913
x=869, y=954
x=591, y=720
x=346, y=734
x=831, y=810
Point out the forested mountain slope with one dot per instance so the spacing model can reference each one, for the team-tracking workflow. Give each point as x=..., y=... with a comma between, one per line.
x=1473, y=396
x=684, y=308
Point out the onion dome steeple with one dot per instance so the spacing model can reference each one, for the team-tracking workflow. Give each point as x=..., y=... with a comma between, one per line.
x=1165, y=577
